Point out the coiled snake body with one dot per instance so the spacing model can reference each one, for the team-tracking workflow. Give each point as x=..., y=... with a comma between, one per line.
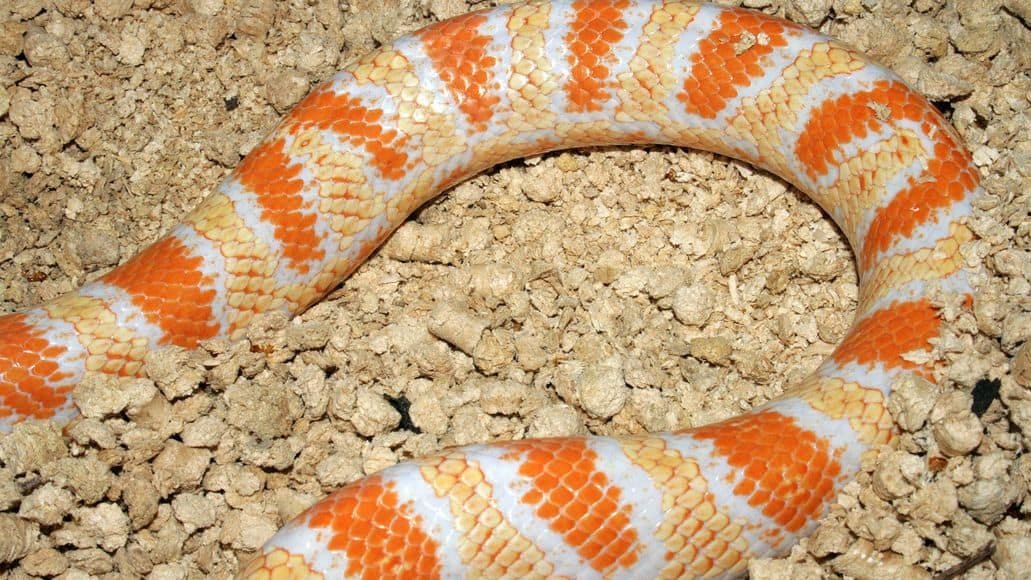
x=407, y=121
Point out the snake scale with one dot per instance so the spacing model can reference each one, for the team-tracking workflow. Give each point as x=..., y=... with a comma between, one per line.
x=402, y=123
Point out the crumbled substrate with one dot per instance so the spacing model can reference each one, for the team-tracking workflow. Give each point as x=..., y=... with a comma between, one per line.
x=683, y=289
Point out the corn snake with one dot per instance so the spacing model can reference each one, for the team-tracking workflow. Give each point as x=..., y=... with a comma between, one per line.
x=400, y=124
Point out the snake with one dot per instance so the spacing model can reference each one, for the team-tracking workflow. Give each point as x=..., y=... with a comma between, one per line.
x=408, y=120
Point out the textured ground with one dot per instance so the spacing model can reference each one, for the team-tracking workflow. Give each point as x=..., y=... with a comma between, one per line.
x=653, y=288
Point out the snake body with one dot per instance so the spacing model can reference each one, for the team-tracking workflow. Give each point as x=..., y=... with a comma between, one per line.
x=403, y=123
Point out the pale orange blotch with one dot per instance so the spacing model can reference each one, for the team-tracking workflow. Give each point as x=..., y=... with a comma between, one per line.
x=166, y=283
x=381, y=536
x=279, y=564
x=946, y=179
x=888, y=333
x=354, y=123
x=274, y=178
x=460, y=56
x=453, y=177
x=577, y=500
x=729, y=58
x=28, y=369
x=598, y=25
x=783, y=470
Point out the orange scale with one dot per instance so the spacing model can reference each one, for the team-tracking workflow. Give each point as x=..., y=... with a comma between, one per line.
x=384, y=518
x=758, y=498
x=360, y=527
x=824, y=488
x=589, y=38
x=591, y=494
x=557, y=468
x=322, y=517
x=593, y=520
x=575, y=453
x=819, y=463
x=532, y=496
x=33, y=387
x=787, y=488
x=394, y=543
x=546, y=481
x=16, y=375
x=576, y=478
x=796, y=522
x=35, y=344
x=563, y=524
x=399, y=527
x=339, y=543
x=547, y=511
x=813, y=507
x=786, y=516
x=796, y=471
x=50, y=399
x=607, y=505
x=529, y=468
x=727, y=91
x=744, y=487
x=773, y=508
x=576, y=537
x=771, y=480
x=427, y=567
x=20, y=403
x=735, y=67
x=949, y=170
x=780, y=457
x=804, y=453
x=912, y=110
x=740, y=459
x=754, y=470
x=25, y=359
x=969, y=180
x=561, y=496
x=372, y=557
x=806, y=437
x=605, y=535
x=31, y=408
x=724, y=51
x=957, y=189
x=628, y=559
x=604, y=560
x=365, y=510
x=42, y=368
x=575, y=510
x=627, y=550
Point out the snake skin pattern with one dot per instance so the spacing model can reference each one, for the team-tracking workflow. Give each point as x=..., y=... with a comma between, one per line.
x=401, y=124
